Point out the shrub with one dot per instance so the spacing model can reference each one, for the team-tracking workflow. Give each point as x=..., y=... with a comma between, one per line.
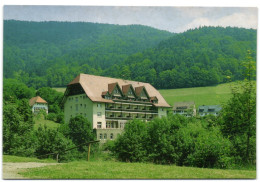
x=130, y=146
x=80, y=131
x=200, y=147
x=52, y=141
x=18, y=138
x=161, y=140
x=51, y=116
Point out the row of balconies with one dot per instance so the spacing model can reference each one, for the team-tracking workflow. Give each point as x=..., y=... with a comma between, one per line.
x=131, y=108
x=130, y=116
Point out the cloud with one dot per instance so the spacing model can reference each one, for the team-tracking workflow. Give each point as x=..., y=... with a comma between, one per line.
x=243, y=19
x=238, y=20
x=174, y=19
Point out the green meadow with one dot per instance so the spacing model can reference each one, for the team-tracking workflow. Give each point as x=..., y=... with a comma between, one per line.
x=100, y=169
x=120, y=170
x=40, y=121
x=211, y=95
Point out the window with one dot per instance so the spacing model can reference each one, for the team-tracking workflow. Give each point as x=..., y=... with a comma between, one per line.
x=77, y=107
x=100, y=136
x=70, y=107
x=111, y=136
x=85, y=115
x=130, y=92
x=99, y=124
x=105, y=136
x=76, y=98
x=80, y=105
x=161, y=109
x=122, y=125
x=108, y=125
x=85, y=105
x=99, y=114
x=99, y=105
x=116, y=91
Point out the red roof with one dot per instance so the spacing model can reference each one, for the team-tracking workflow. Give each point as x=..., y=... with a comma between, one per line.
x=95, y=86
x=36, y=99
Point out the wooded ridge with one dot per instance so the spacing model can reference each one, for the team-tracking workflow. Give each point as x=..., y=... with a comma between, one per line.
x=53, y=53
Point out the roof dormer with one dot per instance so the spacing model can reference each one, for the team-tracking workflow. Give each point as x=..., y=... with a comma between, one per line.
x=141, y=93
x=128, y=91
x=114, y=90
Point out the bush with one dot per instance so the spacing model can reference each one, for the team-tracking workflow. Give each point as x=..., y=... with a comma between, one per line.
x=52, y=141
x=51, y=116
x=80, y=131
x=201, y=147
x=60, y=118
x=18, y=138
x=175, y=139
x=130, y=146
x=161, y=140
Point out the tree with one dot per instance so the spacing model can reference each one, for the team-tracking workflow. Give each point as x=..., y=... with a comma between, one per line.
x=130, y=146
x=239, y=114
x=80, y=131
x=18, y=138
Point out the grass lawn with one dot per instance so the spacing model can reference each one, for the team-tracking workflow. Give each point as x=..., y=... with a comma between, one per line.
x=120, y=170
x=41, y=121
x=11, y=158
x=212, y=95
x=60, y=89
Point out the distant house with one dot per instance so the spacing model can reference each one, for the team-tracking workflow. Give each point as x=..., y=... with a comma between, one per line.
x=184, y=108
x=37, y=104
x=206, y=110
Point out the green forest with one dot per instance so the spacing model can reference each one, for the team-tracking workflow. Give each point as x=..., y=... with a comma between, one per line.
x=42, y=54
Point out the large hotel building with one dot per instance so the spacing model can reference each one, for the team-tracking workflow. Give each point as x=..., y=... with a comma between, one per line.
x=108, y=103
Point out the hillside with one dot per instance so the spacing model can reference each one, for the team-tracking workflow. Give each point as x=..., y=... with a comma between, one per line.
x=199, y=57
x=53, y=53
x=211, y=95
x=61, y=50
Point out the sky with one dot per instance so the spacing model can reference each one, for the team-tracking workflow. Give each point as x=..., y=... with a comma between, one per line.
x=170, y=18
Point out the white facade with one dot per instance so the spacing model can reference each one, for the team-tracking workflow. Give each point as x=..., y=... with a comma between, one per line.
x=39, y=106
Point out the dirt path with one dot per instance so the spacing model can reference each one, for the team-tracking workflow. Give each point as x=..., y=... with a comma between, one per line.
x=11, y=169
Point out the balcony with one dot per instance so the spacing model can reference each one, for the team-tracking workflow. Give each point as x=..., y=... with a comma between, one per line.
x=129, y=117
x=132, y=110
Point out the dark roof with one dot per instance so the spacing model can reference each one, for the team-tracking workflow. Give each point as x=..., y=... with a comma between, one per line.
x=125, y=88
x=111, y=87
x=183, y=105
x=209, y=108
x=138, y=90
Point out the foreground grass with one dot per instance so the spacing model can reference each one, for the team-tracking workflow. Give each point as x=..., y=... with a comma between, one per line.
x=211, y=95
x=11, y=158
x=120, y=170
x=40, y=121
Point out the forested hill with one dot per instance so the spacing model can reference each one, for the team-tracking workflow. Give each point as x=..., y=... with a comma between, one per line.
x=200, y=57
x=52, y=53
